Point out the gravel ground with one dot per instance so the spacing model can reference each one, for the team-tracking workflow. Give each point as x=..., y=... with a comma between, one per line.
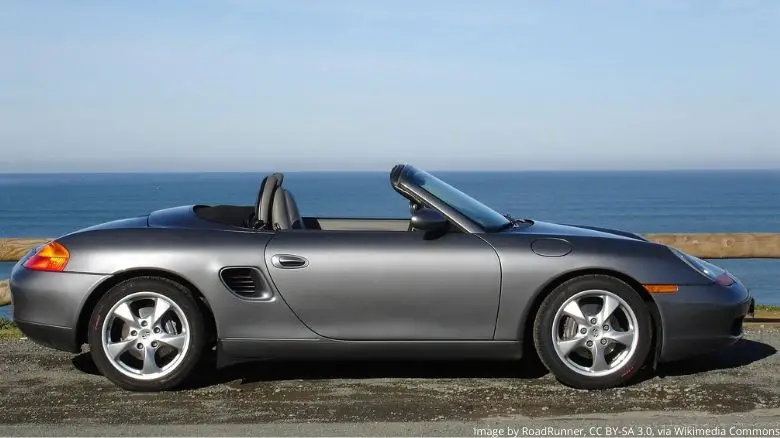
x=44, y=392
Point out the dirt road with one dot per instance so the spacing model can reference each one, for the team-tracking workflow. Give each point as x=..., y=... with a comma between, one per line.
x=46, y=392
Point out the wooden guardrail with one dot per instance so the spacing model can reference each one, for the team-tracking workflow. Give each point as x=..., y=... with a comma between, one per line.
x=12, y=249
x=704, y=245
x=5, y=293
x=723, y=245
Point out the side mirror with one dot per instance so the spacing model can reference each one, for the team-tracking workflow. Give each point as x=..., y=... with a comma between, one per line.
x=429, y=220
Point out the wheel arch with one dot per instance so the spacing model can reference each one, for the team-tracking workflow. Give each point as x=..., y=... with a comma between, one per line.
x=108, y=283
x=527, y=324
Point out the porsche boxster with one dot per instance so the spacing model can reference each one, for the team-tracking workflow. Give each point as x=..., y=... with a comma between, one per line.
x=153, y=295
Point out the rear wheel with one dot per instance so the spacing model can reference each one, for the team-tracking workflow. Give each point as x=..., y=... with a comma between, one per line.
x=593, y=332
x=147, y=334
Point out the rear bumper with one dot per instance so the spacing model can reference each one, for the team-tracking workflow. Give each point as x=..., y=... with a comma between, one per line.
x=47, y=305
x=59, y=338
x=701, y=319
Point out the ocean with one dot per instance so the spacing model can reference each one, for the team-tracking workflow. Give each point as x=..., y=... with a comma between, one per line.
x=49, y=205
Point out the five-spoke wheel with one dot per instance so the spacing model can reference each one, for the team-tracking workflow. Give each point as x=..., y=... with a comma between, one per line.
x=593, y=332
x=146, y=334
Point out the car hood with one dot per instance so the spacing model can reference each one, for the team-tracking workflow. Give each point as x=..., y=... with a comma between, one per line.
x=551, y=228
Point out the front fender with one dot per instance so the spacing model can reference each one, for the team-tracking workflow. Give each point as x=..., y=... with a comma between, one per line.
x=527, y=277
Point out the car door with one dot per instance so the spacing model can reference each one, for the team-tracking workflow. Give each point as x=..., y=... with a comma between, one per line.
x=388, y=285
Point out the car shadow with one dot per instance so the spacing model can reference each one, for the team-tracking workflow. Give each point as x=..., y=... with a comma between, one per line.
x=740, y=354
x=278, y=370
x=253, y=372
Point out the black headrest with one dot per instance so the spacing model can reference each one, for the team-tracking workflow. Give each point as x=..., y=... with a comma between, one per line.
x=280, y=215
x=260, y=194
x=265, y=196
x=285, y=214
x=296, y=221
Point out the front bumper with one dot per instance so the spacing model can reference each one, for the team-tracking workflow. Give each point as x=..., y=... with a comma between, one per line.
x=701, y=319
x=47, y=305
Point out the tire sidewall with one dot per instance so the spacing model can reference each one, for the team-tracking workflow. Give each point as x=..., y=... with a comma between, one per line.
x=173, y=291
x=543, y=326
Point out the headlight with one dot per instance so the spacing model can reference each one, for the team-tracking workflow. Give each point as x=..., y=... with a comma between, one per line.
x=714, y=273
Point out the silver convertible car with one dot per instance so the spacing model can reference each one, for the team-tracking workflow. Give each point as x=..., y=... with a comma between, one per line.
x=152, y=295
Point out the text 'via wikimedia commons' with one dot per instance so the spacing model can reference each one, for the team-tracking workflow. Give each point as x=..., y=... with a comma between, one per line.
x=685, y=430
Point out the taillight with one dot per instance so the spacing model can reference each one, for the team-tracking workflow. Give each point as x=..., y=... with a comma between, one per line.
x=50, y=257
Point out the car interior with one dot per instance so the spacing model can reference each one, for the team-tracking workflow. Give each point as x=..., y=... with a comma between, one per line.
x=275, y=209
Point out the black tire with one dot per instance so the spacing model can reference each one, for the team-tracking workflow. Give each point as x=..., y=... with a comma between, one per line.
x=545, y=344
x=176, y=293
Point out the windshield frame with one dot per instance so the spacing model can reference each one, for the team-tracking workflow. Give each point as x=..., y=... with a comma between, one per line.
x=454, y=203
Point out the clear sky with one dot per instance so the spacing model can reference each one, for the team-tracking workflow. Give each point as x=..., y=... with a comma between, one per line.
x=363, y=84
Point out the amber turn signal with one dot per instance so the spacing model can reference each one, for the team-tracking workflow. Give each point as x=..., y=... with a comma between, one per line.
x=51, y=257
x=661, y=288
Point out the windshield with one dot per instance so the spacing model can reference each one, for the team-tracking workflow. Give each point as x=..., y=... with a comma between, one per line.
x=484, y=216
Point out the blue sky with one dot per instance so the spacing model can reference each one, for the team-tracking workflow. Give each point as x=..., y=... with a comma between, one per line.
x=288, y=84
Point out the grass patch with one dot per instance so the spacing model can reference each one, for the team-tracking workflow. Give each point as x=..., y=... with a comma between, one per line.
x=768, y=307
x=11, y=333
x=8, y=329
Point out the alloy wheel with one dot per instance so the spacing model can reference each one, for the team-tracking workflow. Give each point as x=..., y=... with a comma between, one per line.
x=145, y=335
x=595, y=332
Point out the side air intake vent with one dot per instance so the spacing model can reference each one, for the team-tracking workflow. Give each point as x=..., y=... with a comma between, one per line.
x=246, y=282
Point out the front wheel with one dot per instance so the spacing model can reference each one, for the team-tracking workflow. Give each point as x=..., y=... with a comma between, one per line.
x=593, y=332
x=146, y=334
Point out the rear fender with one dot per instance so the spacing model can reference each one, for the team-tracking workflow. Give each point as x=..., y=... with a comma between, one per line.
x=196, y=256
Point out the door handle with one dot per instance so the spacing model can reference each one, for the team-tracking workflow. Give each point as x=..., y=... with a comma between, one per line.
x=288, y=261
